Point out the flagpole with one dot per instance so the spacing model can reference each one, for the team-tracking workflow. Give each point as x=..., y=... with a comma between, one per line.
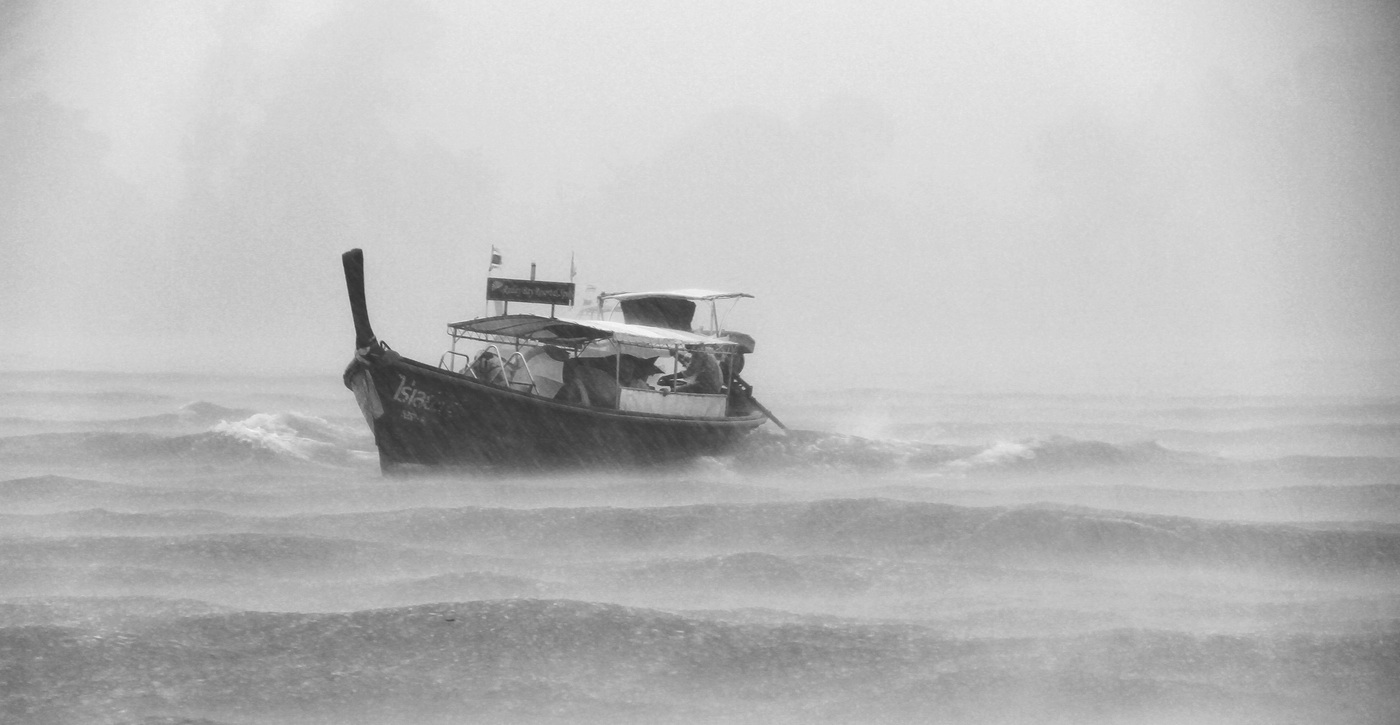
x=494, y=264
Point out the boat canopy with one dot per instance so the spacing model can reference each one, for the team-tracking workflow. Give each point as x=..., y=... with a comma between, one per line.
x=695, y=295
x=674, y=310
x=577, y=334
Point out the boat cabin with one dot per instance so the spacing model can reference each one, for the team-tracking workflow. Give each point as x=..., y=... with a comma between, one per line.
x=651, y=361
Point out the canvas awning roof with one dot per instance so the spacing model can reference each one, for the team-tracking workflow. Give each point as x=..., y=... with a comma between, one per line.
x=673, y=309
x=528, y=327
x=577, y=333
x=700, y=295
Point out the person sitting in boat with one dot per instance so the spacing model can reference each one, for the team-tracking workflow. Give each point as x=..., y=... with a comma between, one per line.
x=634, y=371
x=489, y=370
x=588, y=381
x=701, y=374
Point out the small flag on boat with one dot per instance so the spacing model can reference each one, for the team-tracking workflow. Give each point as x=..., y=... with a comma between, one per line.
x=495, y=258
x=573, y=272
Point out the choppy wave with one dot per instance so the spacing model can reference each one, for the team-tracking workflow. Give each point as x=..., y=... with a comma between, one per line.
x=43, y=494
x=297, y=437
x=812, y=449
x=1330, y=468
x=1345, y=504
x=801, y=450
x=261, y=554
x=1061, y=454
x=1069, y=560
x=193, y=417
x=207, y=433
x=100, y=613
x=758, y=572
x=839, y=527
x=135, y=448
x=261, y=437
x=84, y=396
x=881, y=527
x=552, y=660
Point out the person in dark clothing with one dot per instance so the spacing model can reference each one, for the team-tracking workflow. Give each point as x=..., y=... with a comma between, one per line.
x=701, y=374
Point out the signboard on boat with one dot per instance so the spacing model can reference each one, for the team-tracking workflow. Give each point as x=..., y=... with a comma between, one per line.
x=528, y=290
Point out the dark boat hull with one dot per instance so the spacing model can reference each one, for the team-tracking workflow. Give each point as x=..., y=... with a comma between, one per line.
x=424, y=416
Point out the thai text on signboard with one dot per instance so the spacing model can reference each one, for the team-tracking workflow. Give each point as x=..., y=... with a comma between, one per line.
x=527, y=290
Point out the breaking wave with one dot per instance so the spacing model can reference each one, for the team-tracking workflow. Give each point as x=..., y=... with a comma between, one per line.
x=261, y=437
x=297, y=437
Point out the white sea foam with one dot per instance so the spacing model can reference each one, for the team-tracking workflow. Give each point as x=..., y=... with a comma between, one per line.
x=999, y=453
x=296, y=436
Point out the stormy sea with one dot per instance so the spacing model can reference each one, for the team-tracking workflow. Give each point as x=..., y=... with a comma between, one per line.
x=223, y=550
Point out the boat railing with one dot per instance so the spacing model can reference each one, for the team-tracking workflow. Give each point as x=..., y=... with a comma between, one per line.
x=511, y=370
x=445, y=362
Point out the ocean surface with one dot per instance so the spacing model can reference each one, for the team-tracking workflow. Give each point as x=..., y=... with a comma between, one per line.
x=223, y=550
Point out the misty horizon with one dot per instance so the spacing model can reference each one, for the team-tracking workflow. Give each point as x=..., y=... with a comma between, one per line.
x=1081, y=197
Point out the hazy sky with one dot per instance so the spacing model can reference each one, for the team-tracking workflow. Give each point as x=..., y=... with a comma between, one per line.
x=1175, y=197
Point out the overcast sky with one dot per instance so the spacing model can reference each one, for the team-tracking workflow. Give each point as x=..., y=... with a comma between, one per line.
x=1151, y=197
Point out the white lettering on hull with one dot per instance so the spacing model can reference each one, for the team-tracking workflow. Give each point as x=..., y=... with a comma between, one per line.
x=413, y=398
